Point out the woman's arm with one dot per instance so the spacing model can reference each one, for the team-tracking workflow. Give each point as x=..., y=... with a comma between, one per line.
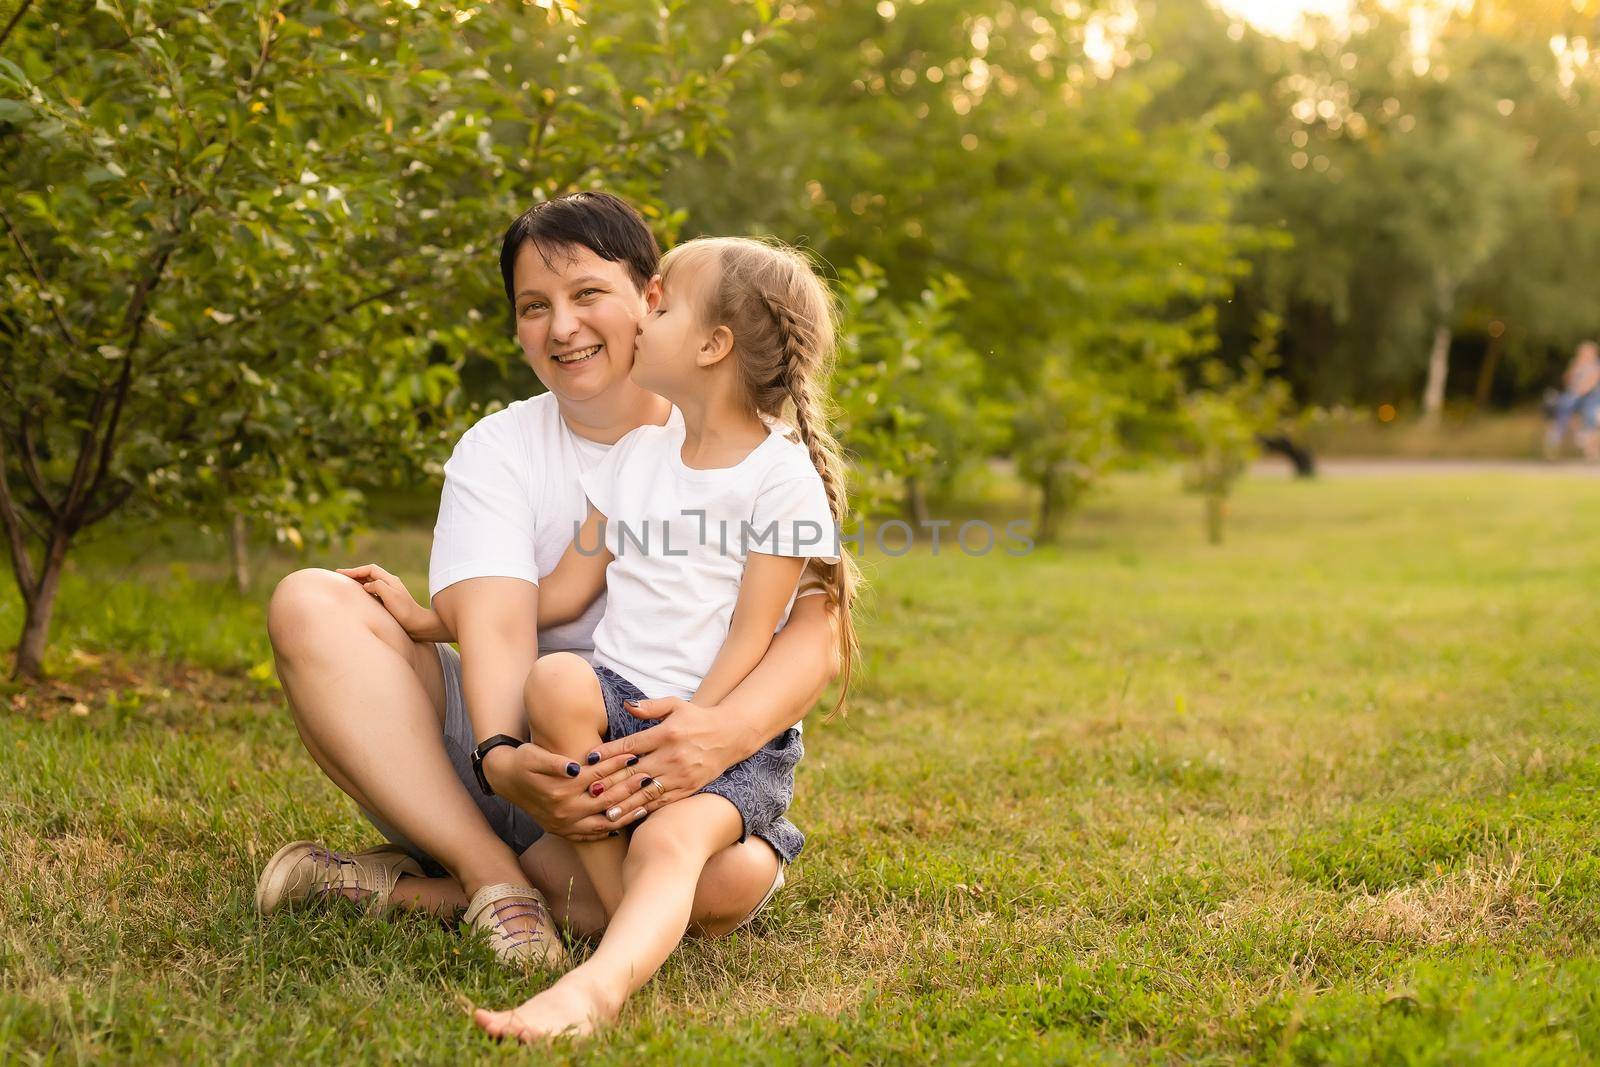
x=579, y=578
x=764, y=592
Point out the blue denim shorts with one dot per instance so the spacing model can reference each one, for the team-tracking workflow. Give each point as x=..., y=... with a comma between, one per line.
x=761, y=787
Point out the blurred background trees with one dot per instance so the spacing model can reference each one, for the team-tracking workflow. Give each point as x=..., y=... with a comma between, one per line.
x=248, y=249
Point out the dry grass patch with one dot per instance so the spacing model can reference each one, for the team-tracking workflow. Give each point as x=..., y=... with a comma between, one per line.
x=1488, y=900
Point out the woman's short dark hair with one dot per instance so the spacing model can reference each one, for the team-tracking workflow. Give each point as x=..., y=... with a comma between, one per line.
x=606, y=225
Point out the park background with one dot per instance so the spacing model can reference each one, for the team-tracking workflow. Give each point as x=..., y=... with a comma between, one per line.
x=1231, y=767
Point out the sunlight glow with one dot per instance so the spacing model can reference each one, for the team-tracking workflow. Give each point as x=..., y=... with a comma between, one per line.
x=1282, y=18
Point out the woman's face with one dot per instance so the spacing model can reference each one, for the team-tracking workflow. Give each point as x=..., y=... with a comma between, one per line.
x=674, y=334
x=577, y=317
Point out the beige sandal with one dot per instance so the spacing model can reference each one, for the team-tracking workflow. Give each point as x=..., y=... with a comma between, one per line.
x=308, y=872
x=494, y=906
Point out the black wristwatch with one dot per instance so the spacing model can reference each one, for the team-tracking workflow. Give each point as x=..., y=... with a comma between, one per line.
x=483, y=750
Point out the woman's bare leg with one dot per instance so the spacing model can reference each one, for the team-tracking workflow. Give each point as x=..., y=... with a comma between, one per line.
x=665, y=859
x=369, y=704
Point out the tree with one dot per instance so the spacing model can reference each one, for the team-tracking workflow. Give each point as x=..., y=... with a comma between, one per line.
x=247, y=248
x=1432, y=184
x=909, y=391
x=1222, y=417
x=1087, y=232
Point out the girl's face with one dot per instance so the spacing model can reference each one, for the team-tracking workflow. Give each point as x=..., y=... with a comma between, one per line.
x=674, y=336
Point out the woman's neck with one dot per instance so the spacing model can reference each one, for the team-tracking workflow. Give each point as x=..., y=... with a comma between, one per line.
x=611, y=417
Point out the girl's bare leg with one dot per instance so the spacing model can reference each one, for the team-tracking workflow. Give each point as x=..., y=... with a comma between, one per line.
x=663, y=864
x=734, y=881
x=567, y=714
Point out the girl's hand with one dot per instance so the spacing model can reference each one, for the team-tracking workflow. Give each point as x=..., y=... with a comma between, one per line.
x=419, y=623
x=674, y=759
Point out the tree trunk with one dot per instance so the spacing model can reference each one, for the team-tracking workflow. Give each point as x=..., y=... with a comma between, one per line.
x=239, y=544
x=40, y=605
x=1216, y=512
x=1047, y=506
x=1491, y=363
x=1438, y=371
x=916, y=503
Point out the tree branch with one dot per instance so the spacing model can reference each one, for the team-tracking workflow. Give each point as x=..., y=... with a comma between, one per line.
x=30, y=465
x=118, y=497
x=21, y=565
x=38, y=276
x=286, y=298
x=22, y=9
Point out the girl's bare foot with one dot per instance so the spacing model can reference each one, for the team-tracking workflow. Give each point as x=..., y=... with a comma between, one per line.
x=567, y=1009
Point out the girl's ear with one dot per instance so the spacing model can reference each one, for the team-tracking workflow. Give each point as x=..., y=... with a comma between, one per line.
x=715, y=348
x=652, y=293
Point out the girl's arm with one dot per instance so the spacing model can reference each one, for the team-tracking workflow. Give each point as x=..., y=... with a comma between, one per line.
x=764, y=592
x=579, y=578
x=419, y=623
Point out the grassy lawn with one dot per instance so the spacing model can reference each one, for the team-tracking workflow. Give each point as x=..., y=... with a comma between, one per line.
x=1326, y=793
x=1512, y=435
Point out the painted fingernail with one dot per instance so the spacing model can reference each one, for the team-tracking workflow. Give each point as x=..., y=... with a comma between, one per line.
x=631, y=705
x=593, y=758
x=641, y=813
x=647, y=783
x=614, y=833
x=613, y=813
x=632, y=760
x=572, y=770
x=596, y=788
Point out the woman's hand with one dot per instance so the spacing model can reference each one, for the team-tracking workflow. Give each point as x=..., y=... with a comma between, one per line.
x=676, y=758
x=419, y=623
x=560, y=793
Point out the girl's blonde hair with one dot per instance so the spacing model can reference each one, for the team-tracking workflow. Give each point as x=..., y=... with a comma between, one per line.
x=781, y=316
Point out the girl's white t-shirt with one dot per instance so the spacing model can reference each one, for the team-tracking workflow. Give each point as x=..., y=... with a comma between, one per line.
x=512, y=503
x=681, y=537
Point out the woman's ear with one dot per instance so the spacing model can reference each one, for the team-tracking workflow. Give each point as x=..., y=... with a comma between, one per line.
x=715, y=348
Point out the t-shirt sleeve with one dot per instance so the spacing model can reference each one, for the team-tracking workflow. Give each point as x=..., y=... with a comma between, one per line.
x=486, y=519
x=791, y=517
x=600, y=481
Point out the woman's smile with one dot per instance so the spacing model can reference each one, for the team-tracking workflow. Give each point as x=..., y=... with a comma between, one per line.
x=576, y=355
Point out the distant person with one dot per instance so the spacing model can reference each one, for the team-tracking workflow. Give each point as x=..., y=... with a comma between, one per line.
x=1580, y=396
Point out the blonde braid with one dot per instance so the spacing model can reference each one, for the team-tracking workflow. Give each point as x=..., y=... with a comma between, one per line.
x=802, y=364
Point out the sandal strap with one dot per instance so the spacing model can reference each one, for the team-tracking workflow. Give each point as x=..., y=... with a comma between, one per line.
x=372, y=873
x=494, y=905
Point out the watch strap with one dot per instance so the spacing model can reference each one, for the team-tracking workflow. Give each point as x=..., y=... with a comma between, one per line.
x=483, y=750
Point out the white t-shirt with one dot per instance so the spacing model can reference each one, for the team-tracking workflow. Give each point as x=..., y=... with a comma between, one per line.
x=681, y=537
x=512, y=502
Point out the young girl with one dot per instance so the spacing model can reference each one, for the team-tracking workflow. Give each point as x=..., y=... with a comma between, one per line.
x=698, y=532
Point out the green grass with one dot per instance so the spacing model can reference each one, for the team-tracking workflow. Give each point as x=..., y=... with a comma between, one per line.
x=1504, y=435
x=1326, y=793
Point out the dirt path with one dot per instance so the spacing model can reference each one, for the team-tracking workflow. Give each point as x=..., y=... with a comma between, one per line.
x=1383, y=467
